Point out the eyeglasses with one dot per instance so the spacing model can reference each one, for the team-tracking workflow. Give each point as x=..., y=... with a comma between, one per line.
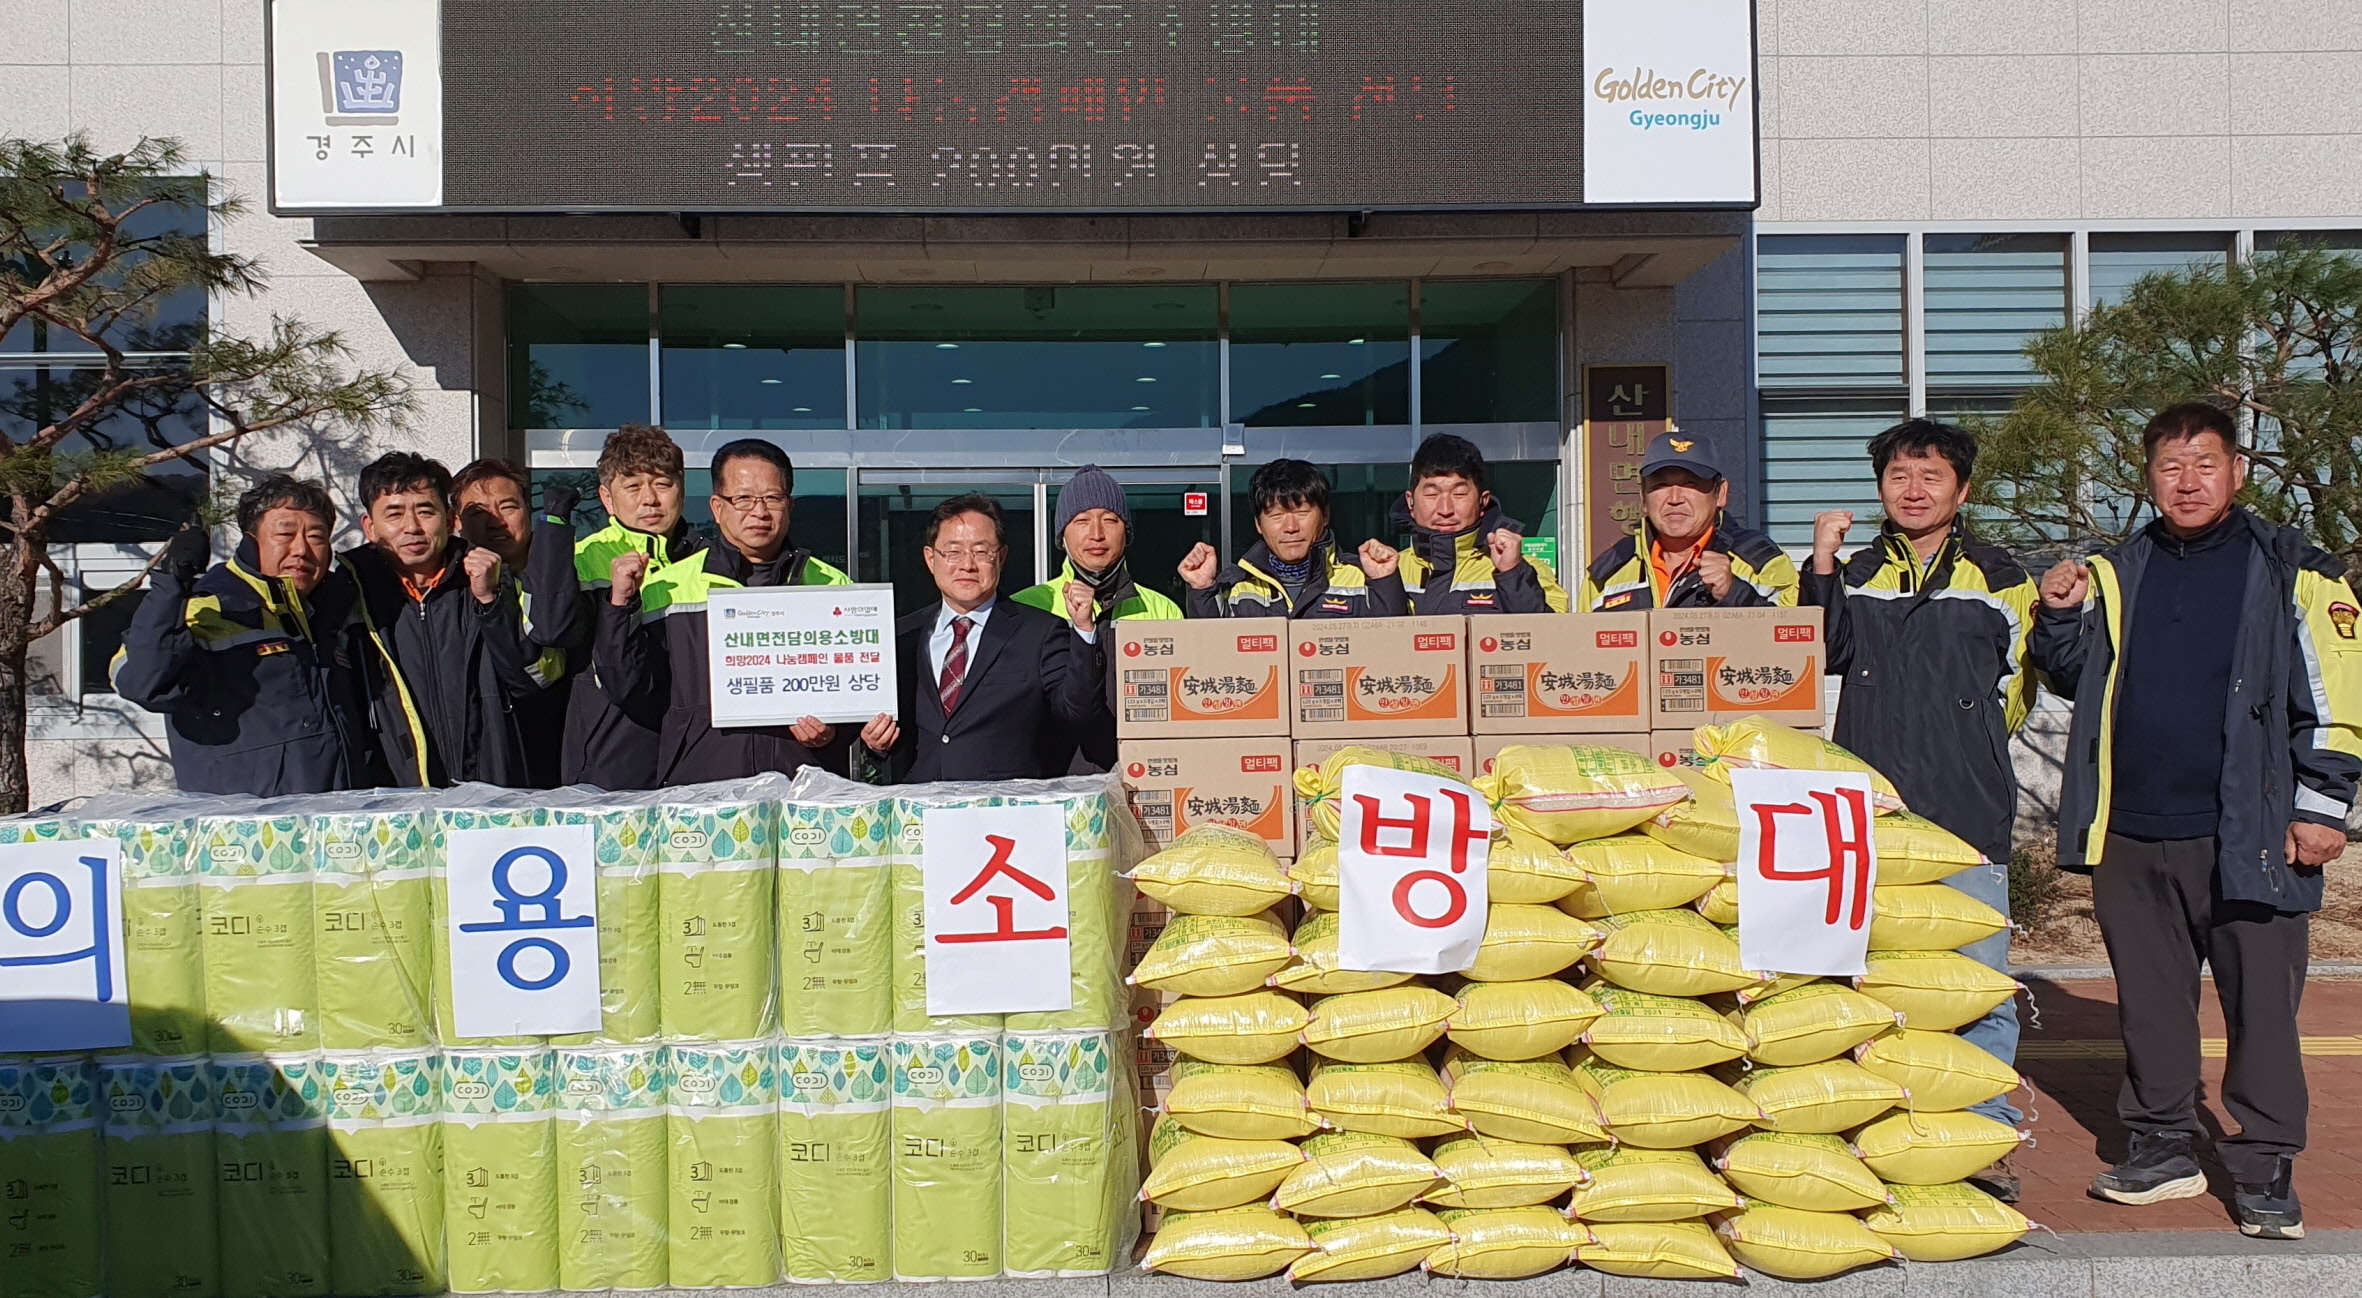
x=959, y=554
x=749, y=504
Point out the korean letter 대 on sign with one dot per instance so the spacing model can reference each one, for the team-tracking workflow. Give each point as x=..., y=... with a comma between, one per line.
x=1808, y=860
x=1410, y=872
x=524, y=931
x=997, y=940
x=61, y=947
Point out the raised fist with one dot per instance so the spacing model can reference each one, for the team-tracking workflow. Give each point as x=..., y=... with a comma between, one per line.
x=2066, y=584
x=1379, y=559
x=625, y=574
x=1506, y=547
x=1199, y=566
x=482, y=566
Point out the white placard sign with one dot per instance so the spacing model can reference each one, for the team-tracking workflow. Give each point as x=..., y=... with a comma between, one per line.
x=1669, y=101
x=1410, y=872
x=775, y=654
x=524, y=931
x=1808, y=860
x=356, y=104
x=62, y=985
x=997, y=940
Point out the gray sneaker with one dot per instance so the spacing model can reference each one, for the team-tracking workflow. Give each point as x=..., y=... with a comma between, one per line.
x=2159, y=1166
x=2270, y=1210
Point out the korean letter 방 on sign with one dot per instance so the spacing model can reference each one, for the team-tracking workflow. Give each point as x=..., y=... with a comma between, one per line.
x=1410, y=872
x=61, y=947
x=1808, y=860
x=524, y=931
x=997, y=939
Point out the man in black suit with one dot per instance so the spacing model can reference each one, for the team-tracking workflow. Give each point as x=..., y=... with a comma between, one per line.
x=985, y=680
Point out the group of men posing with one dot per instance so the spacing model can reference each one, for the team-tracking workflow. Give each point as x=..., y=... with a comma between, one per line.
x=2211, y=767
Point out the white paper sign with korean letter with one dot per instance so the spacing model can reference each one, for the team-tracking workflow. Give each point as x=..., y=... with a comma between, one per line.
x=997, y=940
x=1808, y=860
x=1411, y=892
x=524, y=931
x=777, y=654
x=61, y=947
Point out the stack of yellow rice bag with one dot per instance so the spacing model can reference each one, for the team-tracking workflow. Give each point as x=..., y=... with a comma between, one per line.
x=1606, y=1084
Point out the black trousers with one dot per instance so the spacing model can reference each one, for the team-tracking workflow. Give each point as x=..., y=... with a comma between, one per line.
x=2161, y=913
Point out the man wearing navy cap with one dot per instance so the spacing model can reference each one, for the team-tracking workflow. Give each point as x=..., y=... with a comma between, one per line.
x=1687, y=554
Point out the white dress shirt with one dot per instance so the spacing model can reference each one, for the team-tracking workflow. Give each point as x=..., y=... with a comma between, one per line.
x=939, y=643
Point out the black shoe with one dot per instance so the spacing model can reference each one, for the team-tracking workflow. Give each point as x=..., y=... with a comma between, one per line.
x=2270, y=1210
x=2000, y=1180
x=2159, y=1166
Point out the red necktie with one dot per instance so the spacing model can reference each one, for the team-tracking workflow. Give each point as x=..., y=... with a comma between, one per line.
x=955, y=665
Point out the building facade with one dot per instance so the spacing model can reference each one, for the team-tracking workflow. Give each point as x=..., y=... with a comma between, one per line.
x=1937, y=180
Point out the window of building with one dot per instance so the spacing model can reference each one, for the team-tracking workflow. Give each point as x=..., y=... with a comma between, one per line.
x=1987, y=295
x=578, y=355
x=2118, y=261
x=753, y=355
x=1047, y=356
x=1815, y=458
x=1489, y=351
x=1829, y=311
x=1320, y=355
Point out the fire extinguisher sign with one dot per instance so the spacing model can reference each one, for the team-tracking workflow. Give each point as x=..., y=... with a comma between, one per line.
x=1410, y=872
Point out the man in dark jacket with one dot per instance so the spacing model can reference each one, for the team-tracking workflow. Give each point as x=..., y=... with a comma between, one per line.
x=985, y=681
x=652, y=630
x=251, y=663
x=1466, y=556
x=492, y=498
x=451, y=659
x=1688, y=553
x=1928, y=626
x=1294, y=569
x=2211, y=768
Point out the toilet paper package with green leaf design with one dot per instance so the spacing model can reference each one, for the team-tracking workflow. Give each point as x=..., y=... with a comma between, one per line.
x=910, y=913
x=50, y=1164
x=836, y=1132
x=163, y=917
x=836, y=948
x=1068, y=1197
x=157, y=1119
x=623, y=836
x=722, y=1212
x=500, y=1171
x=611, y=1167
x=469, y=806
x=270, y=1150
x=373, y=934
x=947, y=1157
x=716, y=852
x=254, y=870
x=1100, y=851
x=385, y=1171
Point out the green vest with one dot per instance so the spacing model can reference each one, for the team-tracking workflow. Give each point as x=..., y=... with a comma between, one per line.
x=594, y=555
x=1050, y=598
x=681, y=586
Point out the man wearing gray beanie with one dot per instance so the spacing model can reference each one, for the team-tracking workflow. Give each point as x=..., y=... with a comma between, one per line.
x=1095, y=529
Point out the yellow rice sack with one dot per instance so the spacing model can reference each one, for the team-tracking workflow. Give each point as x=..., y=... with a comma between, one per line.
x=1720, y=905
x=1929, y=917
x=1527, y=869
x=1662, y=1110
x=1318, y=788
x=1533, y=1100
x=1370, y=1248
x=1635, y=872
x=1194, y=1173
x=1832, y=1095
x=1314, y=971
x=1355, y=1174
x=1239, y=1101
x=1818, y=1173
x=1761, y=744
x=1481, y=1172
x=1504, y=1243
x=1378, y=1027
x=1256, y=1028
x=1814, y=1022
x=1214, y=955
x=1520, y=1020
x=1660, y=1034
x=1214, y=869
x=1243, y=1243
x=1766, y=985
x=1914, y=849
x=1406, y=1098
x=1567, y=793
x=1933, y=1148
x=1795, y=1245
x=1526, y=942
x=1658, y=1250
x=1940, y=1071
x=1945, y=1223
x=1935, y=990
x=1629, y=1184
x=1314, y=872
x=1669, y=953
x=1706, y=824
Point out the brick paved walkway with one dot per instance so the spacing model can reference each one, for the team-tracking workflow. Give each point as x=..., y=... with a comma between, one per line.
x=2075, y=1065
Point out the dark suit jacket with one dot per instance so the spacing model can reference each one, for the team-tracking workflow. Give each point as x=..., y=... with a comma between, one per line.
x=1029, y=676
